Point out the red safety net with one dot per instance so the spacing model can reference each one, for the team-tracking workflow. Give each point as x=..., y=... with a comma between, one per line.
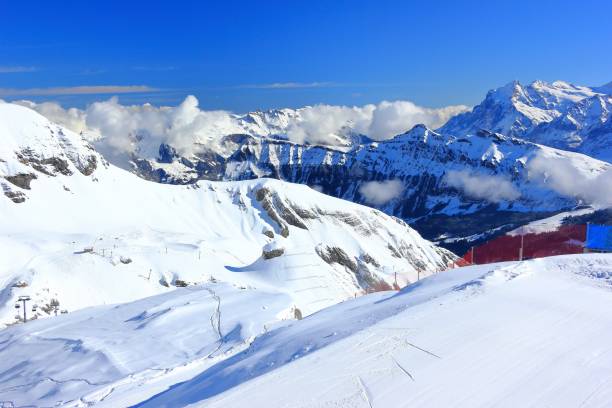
x=568, y=239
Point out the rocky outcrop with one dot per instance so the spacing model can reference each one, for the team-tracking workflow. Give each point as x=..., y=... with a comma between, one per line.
x=49, y=165
x=281, y=212
x=21, y=180
x=15, y=196
x=272, y=253
x=360, y=268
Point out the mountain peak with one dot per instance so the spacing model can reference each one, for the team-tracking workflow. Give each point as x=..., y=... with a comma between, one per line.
x=515, y=110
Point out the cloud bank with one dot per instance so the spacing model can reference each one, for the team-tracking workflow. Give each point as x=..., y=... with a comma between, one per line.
x=381, y=192
x=379, y=122
x=482, y=187
x=186, y=127
x=565, y=178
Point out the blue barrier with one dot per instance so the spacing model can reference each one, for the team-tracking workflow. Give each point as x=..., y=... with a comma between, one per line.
x=599, y=237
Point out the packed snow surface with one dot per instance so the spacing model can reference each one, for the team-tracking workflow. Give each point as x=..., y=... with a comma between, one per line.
x=535, y=333
x=528, y=333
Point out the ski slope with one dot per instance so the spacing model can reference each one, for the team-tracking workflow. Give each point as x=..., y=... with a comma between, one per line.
x=96, y=353
x=535, y=333
x=532, y=333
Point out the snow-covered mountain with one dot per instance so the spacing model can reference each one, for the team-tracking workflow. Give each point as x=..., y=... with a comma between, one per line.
x=79, y=231
x=586, y=127
x=559, y=114
x=427, y=178
x=500, y=334
x=419, y=162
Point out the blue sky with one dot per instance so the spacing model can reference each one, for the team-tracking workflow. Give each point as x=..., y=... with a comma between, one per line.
x=246, y=55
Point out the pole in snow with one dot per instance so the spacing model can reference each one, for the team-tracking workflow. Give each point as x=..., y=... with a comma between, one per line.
x=522, y=242
x=23, y=299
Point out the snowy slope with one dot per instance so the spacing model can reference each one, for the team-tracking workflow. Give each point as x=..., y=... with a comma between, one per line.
x=516, y=334
x=106, y=236
x=102, y=350
x=511, y=334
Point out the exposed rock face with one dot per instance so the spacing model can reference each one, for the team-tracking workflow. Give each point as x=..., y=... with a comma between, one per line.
x=272, y=253
x=47, y=165
x=364, y=276
x=35, y=148
x=279, y=211
x=21, y=180
x=90, y=165
x=15, y=196
x=337, y=255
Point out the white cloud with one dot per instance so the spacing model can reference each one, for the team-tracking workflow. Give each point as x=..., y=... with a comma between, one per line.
x=77, y=90
x=380, y=122
x=321, y=124
x=381, y=192
x=183, y=127
x=125, y=128
x=482, y=187
x=392, y=118
x=564, y=177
